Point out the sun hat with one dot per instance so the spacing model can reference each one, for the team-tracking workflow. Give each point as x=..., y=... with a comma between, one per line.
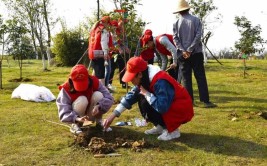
x=182, y=5
x=134, y=66
x=79, y=76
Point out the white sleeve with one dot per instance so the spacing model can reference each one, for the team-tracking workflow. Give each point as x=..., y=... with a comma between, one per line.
x=105, y=41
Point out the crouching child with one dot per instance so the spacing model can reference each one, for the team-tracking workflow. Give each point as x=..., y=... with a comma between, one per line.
x=161, y=99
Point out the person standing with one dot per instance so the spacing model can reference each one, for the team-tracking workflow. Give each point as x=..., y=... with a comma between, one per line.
x=187, y=32
x=100, y=42
x=82, y=97
x=161, y=99
x=120, y=50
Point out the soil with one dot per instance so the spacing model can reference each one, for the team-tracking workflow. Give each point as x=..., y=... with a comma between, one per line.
x=94, y=140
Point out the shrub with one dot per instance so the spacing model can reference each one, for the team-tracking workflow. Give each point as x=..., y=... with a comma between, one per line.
x=69, y=47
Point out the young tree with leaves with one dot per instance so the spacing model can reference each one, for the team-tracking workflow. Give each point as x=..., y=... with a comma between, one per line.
x=19, y=44
x=35, y=15
x=250, y=41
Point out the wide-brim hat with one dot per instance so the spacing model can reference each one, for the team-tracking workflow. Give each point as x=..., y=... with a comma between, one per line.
x=182, y=5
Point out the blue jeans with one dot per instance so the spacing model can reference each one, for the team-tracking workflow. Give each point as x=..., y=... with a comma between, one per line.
x=107, y=72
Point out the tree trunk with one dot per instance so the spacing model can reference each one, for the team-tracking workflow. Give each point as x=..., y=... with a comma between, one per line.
x=48, y=50
x=20, y=66
x=1, y=85
x=48, y=54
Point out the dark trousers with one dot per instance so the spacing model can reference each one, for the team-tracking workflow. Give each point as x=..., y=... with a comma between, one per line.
x=195, y=63
x=99, y=68
x=175, y=73
x=149, y=113
x=119, y=62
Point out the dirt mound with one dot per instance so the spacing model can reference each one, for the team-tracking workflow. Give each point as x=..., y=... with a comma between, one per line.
x=98, y=142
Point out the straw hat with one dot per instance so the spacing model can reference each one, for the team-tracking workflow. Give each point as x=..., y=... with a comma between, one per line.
x=182, y=5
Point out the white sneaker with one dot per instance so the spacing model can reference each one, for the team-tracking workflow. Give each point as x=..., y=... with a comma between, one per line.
x=75, y=129
x=166, y=136
x=111, y=88
x=155, y=130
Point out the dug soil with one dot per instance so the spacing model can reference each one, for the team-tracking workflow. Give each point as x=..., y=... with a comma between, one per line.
x=96, y=141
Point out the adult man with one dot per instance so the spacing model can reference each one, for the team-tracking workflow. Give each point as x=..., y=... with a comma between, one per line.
x=187, y=31
x=161, y=99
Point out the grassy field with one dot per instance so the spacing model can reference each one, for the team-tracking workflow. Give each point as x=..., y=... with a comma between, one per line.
x=231, y=134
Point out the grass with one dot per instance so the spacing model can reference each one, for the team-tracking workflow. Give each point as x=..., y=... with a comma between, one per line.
x=211, y=138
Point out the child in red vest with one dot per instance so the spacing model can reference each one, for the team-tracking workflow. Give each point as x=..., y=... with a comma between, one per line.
x=161, y=99
x=82, y=97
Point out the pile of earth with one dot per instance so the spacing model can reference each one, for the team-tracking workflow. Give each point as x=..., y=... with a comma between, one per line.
x=96, y=141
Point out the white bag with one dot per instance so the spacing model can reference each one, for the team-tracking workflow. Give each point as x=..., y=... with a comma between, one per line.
x=32, y=92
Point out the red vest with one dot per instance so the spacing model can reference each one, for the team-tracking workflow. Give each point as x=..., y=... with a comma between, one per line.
x=146, y=54
x=94, y=84
x=161, y=48
x=95, y=40
x=181, y=109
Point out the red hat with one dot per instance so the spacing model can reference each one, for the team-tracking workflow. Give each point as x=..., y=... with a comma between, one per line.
x=105, y=19
x=134, y=66
x=148, y=32
x=114, y=23
x=79, y=76
x=146, y=38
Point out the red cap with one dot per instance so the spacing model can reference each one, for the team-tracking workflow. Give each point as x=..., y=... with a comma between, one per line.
x=146, y=38
x=105, y=19
x=114, y=23
x=148, y=32
x=134, y=66
x=79, y=76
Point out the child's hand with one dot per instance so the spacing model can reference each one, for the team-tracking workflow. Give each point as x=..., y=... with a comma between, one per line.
x=107, y=122
x=96, y=110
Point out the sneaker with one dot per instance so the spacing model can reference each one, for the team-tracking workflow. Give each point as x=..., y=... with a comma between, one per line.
x=155, y=130
x=111, y=88
x=166, y=136
x=75, y=129
x=123, y=86
x=209, y=105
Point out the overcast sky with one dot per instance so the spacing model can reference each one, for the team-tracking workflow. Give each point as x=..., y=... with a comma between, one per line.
x=159, y=13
